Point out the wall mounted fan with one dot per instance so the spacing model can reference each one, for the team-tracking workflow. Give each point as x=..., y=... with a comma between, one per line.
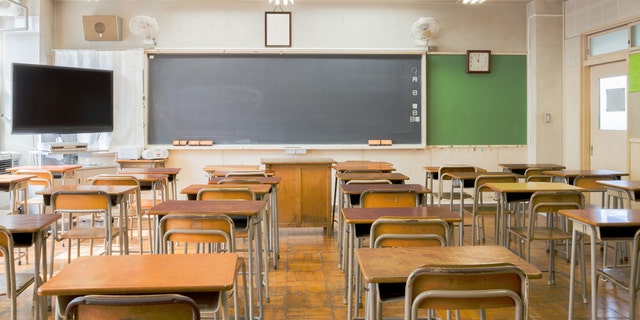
x=424, y=29
x=144, y=27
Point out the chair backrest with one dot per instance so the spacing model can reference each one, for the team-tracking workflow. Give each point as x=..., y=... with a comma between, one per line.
x=389, y=199
x=43, y=177
x=139, y=307
x=239, y=180
x=480, y=185
x=245, y=174
x=225, y=194
x=197, y=228
x=115, y=180
x=588, y=182
x=442, y=171
x=409, y=232
x=551, y=202
x=6, y=251
x=81, y=200
x=466, y=287
x=372, y=181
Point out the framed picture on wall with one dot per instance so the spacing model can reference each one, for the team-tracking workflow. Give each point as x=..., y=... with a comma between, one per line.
x=277, y=29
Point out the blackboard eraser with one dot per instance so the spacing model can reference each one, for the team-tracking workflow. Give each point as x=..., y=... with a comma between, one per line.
x=184, y=142
x=206, y=142
x=176, y=142
x=386, y=142
x=374, y=142
x=193, y=142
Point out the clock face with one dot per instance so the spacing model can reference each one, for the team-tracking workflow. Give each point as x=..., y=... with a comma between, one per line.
x=478, y=61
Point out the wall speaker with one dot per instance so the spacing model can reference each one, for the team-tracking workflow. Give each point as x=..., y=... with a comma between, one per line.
x=102, y=28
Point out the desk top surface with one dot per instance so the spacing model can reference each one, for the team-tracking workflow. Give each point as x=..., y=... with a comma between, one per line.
x=248, y=208
x=359, y=188
x=258, y=188
x=473, y=175
x=111, y=190
x=141, y=160
x=169, y=171
x=232, y=167
x=141, y=177
x=531, y=186
x=28, y=223
x=520, y=166
x=14, y=178
x=393, y=265
x=575, y=173
x=52, y=168
x=605, y=217
x=363, y=166
x=298, y=161
x=631, y=185
x=345, y=176
x=369, y=215
x=265, y=180
x=140, y=274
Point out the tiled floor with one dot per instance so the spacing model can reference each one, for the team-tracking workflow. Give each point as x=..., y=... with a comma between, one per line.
x=309, y=285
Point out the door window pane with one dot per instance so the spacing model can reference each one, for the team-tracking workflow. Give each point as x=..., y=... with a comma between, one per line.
x=613, y=103
x=609, y=42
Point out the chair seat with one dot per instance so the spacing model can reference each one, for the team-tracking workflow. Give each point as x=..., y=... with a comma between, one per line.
x=542, y=233
x=88, y=233
x=23, y=281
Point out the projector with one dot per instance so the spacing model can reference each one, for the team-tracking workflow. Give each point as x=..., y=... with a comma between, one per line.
x=151, y=154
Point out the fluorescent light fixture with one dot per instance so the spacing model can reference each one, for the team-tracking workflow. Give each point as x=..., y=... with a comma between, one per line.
x=472, y=1
x=281, y=2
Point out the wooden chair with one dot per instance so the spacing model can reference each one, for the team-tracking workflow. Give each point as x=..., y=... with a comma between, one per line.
x=135, y=202
x=405, y=232
x=43, y=180
x=84, y=207
x=235, y=193
x=139, y=307
x=245, y=174
x=480, y=208
x=14, y=283
x=548, y=203
x=444, y=179
x=537, y=175
x=466, y=287
x=626, y=276
x=589, y=184
x=209, y=234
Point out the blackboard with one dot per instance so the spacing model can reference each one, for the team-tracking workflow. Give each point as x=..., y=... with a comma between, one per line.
x=476, y=109
x=285, y=99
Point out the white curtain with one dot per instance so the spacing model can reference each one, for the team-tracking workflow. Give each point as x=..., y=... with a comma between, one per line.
x=128, y=74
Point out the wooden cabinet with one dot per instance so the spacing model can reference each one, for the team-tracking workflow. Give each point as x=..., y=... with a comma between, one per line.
x=304, y=192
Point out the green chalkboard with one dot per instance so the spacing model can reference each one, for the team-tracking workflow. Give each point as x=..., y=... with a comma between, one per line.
x=476, y=109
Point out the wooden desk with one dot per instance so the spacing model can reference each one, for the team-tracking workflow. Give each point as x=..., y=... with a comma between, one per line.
x=621, y=190
x=363, y=218
x=252, y=209
x=522, y=191
x=304, y=193
x=274, y=236
x=603, y=225
x=221, y=170
x=467, y=179
x=260, y=190
x=520, y=168
x=568, y=176
x=131, y=163
x=172, y=176
x=363, y=166
x=207, y=275
x=61, y=172
x=393, y=265
x=13, y=184
x=28, y=230
x=432, y=173
x=357, y=189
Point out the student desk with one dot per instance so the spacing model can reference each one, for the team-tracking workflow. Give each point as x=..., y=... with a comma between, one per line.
x=61, y=172
x=568, y=176
x=28, y=230
x=603, y=225
x=252, y=209
x=221, y=170
x=520, y=168
x=274, y=236
x=522, y=191
x=118, y=195
x=621, y=190
x=13, y=184
x=393, y=265
x=357, y=218
x=172, y=176
x=201, y=276
x=432, y=173
x=464, y=179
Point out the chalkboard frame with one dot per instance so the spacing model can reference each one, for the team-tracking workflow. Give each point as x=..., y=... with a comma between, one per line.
x=421, y=101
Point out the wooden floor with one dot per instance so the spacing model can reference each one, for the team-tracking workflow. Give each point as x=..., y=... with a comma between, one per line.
x=309, y=285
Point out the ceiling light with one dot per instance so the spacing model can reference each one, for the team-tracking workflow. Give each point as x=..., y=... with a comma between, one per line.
x=472, y=1
x=281, y=2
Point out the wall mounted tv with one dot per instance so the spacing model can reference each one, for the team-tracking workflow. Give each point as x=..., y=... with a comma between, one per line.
x=53, y=99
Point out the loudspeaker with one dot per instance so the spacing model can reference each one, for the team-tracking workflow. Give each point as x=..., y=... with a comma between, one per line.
x=102, y=28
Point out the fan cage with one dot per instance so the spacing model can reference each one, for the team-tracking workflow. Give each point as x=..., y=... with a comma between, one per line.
x=8, y=159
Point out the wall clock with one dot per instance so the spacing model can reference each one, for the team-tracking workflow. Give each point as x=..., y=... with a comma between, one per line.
x=478, y=61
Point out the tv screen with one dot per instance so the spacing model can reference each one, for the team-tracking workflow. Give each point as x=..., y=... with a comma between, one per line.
x=53, y=99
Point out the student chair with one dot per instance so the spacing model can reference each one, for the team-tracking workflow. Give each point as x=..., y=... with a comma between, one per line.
x=481, y=209
x=15, y=283
x=139, y=307
x=466, y=287
x=556, y=229
x=405, y=232
x=444, y=180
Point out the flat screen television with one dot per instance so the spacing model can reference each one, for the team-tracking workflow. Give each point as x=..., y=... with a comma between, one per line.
x=60, y=100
